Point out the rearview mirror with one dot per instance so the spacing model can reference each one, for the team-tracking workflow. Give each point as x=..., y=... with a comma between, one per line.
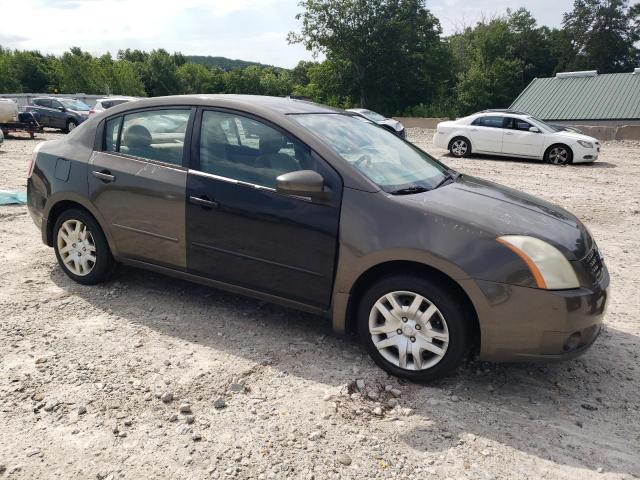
x=303, y=183
x=534, y=129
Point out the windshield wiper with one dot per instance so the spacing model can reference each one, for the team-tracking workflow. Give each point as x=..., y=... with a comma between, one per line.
x=448, y=177
x=409, y=190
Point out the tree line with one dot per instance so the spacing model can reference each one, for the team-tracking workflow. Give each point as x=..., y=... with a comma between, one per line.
x=387, y=55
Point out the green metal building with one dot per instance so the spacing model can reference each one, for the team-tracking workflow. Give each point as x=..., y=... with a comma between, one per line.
x=584, y=98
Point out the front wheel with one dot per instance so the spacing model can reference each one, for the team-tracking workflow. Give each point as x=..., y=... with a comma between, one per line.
x=558, y=155
x=81, y=248
x=413, y=328
x=460, y=147
x=71, y=125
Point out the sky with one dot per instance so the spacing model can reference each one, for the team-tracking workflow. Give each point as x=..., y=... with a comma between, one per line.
x=253, y=30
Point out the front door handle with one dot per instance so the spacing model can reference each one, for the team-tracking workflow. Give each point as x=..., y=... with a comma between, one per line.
x=508, y=133
x=104, y=175
x=203, y=201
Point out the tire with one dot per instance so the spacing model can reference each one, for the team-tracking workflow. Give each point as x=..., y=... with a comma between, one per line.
x=460, y=147
x=71, y=243
x=447, y=319
x=71, y=124
x=554, y=154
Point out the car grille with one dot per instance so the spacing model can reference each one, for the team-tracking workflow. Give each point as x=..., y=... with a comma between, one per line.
x=594, y=265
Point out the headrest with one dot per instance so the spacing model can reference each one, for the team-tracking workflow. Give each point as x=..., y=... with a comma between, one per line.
x=137, y=136
x=270, y=142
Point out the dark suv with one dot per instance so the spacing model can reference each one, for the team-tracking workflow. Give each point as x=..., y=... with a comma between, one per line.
x=63, y=113
x=311, y=207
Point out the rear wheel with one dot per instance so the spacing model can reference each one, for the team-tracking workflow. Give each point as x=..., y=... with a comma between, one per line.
x=558, y=155
x=81, y=247
x=413, y=328
x=460, y=147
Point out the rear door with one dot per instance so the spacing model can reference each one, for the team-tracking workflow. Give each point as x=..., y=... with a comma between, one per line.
x=519, y=140
x=486, y=134
x=57, y=117
x=43, y=107
x=240, y=230
x=138, y=180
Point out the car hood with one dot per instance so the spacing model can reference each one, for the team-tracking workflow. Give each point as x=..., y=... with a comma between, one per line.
x=396, y=125
x=492, y=210
x=574, y=136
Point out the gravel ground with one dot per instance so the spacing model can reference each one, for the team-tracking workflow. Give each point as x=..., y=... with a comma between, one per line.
x=150, y=377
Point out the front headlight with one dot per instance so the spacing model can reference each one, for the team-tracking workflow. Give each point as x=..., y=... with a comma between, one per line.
x=549, y=267
x=585, y=144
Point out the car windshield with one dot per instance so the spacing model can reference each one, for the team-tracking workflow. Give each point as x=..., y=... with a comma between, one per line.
x=373, y=116
x=543, y=125
x=75, y=105
x=391, y=163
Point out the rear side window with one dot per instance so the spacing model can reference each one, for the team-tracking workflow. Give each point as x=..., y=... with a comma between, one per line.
x=494, y=122
x=42, y=102
x=155, y=135
x=112, y=130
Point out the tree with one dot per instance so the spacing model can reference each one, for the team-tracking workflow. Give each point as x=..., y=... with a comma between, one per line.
x=603, y=34
x=392, y=48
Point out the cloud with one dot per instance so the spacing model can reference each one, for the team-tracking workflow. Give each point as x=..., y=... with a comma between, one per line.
x=246, y=29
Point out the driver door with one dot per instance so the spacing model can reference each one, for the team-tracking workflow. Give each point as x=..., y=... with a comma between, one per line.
x=240, y=230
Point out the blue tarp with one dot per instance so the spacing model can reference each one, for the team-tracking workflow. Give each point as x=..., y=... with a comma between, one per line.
x=12, y=198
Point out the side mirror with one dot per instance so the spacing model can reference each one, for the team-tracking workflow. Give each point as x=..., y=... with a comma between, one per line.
x=302, y=183
x=62, y=109
x=534, y=129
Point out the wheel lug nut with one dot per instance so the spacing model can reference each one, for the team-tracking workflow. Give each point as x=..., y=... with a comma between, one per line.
x=404, y=319
x=413, y=339
x=399, y=331
x=418, y=327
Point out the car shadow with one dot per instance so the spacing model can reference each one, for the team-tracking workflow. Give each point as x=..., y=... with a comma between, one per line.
x=580, y=413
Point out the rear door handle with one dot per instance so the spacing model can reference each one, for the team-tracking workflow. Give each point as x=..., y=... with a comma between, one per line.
x=508, y=133
x=203, y=201
x=104, y=175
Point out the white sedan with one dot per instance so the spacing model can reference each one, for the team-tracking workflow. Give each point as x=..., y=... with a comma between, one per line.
x=514, y=134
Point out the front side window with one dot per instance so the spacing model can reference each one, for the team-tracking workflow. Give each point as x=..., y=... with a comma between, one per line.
x=517, y=124
x=71, y=104
x=393, y=164
x=155, y=135
x=244, y=149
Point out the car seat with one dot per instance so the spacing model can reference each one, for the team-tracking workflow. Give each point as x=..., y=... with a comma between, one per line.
x=137, y=139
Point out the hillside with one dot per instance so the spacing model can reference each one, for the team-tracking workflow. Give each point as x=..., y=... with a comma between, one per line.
x=221, y=62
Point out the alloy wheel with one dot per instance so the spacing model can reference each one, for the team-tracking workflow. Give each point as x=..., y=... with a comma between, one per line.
x=459, y=148
x=76, y=247
x=408, y=330
x=558, y=155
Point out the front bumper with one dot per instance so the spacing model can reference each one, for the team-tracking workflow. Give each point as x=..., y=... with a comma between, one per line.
x=586, y=155
x=525, y=324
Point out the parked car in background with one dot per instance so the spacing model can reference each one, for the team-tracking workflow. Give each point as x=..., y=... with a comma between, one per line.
x=1, y=137
x=103, y=104
x=55, y=112
x=390, y=124
x=321, y=211
x=514, y=134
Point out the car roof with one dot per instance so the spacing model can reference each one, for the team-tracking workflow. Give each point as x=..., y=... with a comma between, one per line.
x=279, y=105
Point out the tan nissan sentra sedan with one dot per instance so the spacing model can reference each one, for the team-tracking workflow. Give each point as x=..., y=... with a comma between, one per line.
x=320, y=210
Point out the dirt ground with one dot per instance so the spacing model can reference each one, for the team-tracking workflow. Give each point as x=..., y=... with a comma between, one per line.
x=92, y=379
